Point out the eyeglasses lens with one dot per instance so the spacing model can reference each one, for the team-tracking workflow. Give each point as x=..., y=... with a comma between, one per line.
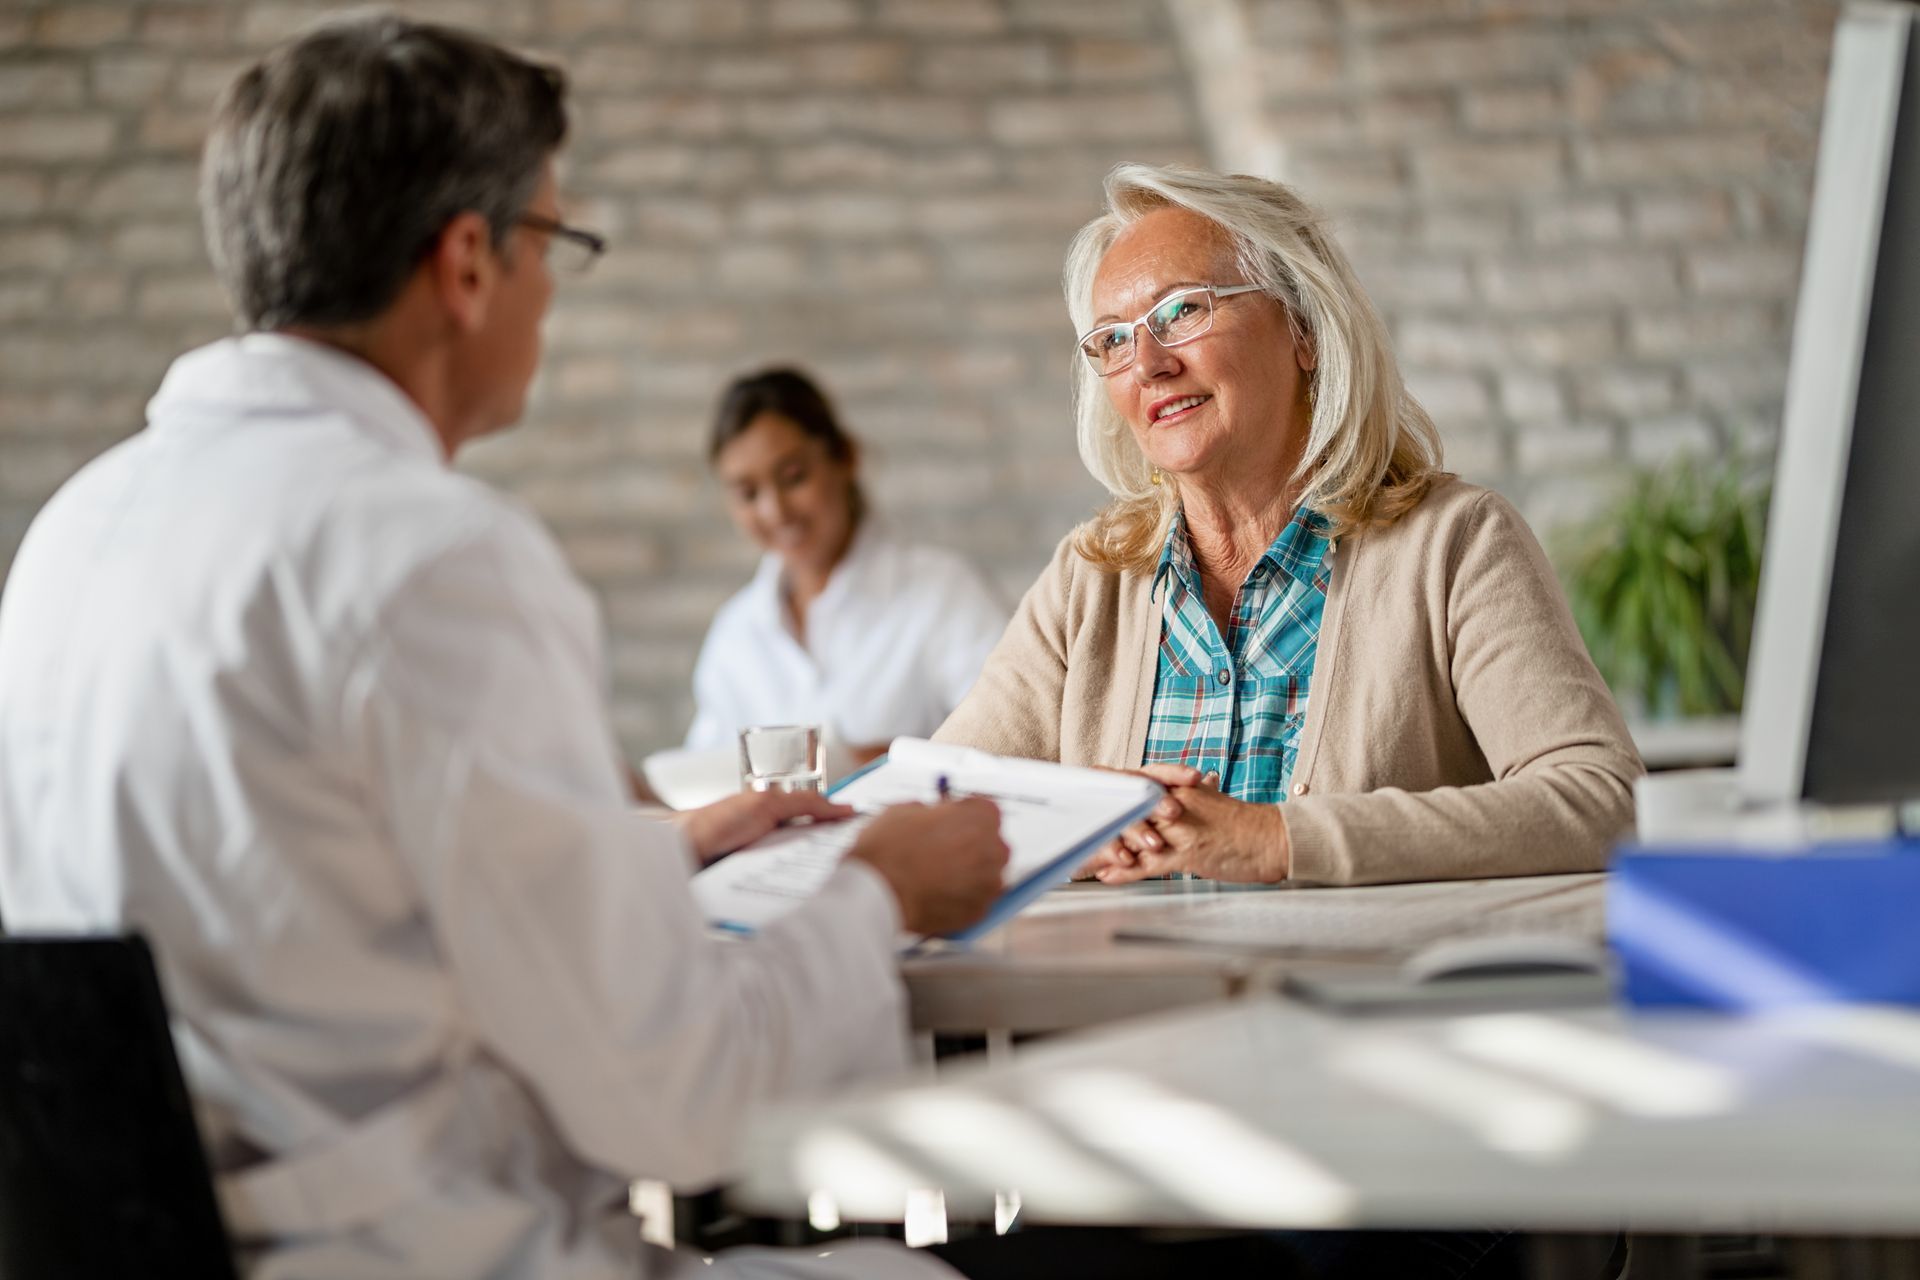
x=570, y=255
x=1181, y=318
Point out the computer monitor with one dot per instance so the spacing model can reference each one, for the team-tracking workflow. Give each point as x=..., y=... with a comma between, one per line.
x=1832, y=709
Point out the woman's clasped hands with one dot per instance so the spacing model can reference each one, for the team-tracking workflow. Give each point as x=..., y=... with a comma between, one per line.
x=1196, y=829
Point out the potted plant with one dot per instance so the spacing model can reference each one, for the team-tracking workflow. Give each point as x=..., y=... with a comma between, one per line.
x=1663, y=586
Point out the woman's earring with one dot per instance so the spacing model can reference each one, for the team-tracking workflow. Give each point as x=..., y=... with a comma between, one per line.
x=1155, y=477
x=1313, y=390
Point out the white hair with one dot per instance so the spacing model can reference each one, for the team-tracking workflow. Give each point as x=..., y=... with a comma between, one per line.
x=1371, y=450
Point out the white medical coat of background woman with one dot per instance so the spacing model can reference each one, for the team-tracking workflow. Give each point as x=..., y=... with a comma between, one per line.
x=891, y=646
x=326, y=721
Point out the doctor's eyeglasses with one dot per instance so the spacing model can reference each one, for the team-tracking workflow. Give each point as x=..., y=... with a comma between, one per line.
x=569, y=249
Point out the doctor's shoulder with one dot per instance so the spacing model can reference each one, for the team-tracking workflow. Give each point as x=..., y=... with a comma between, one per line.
x=413, y=518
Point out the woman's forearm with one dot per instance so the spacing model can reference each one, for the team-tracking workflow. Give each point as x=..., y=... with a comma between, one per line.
x=1557, y=818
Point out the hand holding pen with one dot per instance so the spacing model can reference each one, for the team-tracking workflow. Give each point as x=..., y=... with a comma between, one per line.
x=945, y=862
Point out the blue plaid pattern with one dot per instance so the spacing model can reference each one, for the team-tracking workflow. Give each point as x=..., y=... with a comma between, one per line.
x=1236, y=705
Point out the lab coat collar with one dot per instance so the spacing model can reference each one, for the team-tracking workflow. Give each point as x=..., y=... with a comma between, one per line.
x=864, y=546
x=769, y=580
x=276, y=374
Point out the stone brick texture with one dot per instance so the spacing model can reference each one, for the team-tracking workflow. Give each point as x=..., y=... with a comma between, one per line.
x=1582, y=219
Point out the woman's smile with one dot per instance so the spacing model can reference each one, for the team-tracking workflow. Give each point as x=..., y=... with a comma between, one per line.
x=1173, y=409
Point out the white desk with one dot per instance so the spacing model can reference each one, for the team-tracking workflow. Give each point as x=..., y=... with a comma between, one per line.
x=1264, y=1113
x=1058, y=966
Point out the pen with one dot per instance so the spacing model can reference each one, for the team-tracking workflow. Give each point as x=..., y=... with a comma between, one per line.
x=940, y=785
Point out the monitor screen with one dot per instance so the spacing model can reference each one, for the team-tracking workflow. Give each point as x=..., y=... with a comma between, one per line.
x=1832, y=710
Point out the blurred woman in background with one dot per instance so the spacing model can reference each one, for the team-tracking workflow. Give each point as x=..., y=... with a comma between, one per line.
x=846, y=624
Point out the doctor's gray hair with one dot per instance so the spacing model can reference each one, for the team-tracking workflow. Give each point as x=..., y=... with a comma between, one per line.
x=1371, y=450
x=335, y=162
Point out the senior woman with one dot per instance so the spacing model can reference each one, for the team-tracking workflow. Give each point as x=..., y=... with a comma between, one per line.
x=1351, y=666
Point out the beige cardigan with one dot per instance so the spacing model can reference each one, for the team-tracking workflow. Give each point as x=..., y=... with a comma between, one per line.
x=1455, y=724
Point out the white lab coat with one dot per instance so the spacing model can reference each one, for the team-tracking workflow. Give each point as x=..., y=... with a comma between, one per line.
x=893, y=643
x=325, y=719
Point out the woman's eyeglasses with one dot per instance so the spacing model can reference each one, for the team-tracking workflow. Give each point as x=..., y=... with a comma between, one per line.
x=1179, y=317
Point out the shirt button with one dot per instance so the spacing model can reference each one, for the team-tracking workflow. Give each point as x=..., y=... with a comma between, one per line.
x=1299, y=788
x=1224, y=676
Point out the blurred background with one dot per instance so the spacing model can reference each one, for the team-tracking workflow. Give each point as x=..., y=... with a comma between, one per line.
x=1582, y=219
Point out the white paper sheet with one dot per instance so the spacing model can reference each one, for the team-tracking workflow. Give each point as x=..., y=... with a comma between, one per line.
x=1051, y=816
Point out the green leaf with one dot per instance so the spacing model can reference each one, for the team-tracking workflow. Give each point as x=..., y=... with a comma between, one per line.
x=1663, y=583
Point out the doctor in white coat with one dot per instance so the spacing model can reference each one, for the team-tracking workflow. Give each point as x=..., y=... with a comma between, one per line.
x=325, y=719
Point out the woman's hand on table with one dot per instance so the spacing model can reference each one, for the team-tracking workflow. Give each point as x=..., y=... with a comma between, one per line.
x=1142, y=835
x=1208, y=834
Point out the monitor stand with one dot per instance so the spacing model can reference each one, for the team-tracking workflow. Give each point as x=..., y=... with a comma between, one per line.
x=1710, y=807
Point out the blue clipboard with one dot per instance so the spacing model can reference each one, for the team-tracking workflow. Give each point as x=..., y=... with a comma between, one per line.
x=1018, y=895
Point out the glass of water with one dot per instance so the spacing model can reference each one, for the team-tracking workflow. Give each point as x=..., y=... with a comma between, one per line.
x=780, y=757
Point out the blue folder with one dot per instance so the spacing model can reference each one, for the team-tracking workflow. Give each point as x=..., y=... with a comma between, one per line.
x=1742, y=929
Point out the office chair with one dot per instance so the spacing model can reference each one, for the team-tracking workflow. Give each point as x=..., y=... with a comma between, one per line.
x=102, y=1174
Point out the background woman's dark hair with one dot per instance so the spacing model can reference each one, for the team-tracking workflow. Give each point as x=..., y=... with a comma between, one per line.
x=795, y=397
x=787, y=392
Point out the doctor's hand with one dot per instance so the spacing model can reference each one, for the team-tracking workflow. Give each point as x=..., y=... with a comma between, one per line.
x=718, y=829
x=1214, y=836
x=944, y=861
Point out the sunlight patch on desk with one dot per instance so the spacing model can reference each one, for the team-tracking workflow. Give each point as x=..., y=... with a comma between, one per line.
x=1504, y=1112
x=1636, y=1078
x=980, y=1137
x=1872, y=1031
x=925, y=1220
x=1200, y=1152
x=1006, y=1210
x=651, y=1201
x=867, y=1182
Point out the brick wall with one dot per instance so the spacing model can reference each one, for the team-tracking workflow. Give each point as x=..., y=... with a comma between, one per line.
x=879, y=189
x=1582, y=218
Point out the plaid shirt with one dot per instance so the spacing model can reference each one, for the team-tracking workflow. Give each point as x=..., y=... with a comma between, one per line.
x=1236, y=706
